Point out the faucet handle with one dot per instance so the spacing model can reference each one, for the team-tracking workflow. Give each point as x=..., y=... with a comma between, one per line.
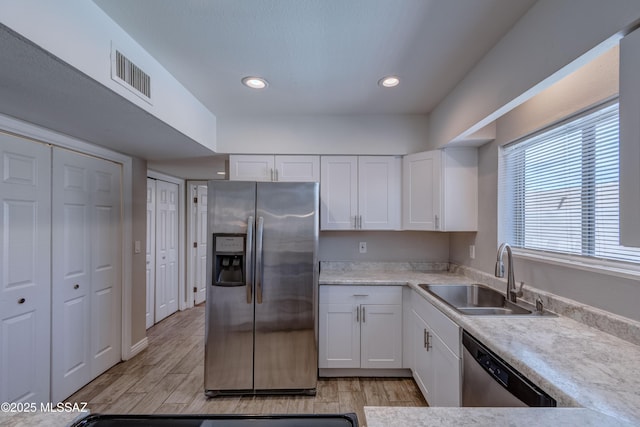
x=519, y=293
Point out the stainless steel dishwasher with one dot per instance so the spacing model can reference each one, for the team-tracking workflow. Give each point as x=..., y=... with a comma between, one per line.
x=489, y=381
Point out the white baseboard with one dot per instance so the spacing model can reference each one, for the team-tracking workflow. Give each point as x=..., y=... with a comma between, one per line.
x=357, y=372
x=138, y=347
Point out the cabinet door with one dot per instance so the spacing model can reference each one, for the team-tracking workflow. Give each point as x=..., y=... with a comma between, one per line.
x=421, y=184
x=339, y=336
x=423, y=360
x=381, y=336
x=251, y=167
x=338, y=192
x=630, y=140
x=379, y=191
x=459, y=189
x=445, y=374
x=297, y=168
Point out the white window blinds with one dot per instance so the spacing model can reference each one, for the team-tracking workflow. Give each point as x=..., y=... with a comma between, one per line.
x=559, y=189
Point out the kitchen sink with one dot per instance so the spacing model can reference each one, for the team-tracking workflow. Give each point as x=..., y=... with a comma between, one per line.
x=480, y=300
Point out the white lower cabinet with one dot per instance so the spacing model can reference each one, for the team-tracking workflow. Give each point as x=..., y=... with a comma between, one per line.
x=360, y=327
x=437, y=366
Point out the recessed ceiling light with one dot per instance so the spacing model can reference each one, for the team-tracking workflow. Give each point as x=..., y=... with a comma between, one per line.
x=255, y=82
x=389, y=81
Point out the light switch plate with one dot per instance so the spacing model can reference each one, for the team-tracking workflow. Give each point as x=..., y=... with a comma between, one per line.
x=363, y=247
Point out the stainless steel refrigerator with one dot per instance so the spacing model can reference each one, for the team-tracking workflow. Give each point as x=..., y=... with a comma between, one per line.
x=262, y=275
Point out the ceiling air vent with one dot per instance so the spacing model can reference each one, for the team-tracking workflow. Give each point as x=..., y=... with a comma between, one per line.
x=130, y=75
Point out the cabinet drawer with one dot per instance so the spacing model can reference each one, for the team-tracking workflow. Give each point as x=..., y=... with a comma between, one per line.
x=445, y=328
x=374, y=294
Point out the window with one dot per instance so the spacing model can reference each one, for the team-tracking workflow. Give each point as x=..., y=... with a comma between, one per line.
x=559, y=189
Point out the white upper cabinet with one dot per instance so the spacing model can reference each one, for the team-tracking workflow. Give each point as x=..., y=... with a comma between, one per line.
x=440, y=190
x=338, y=192
x=274, y=168
x=360, y=192
x=379, y=192
x=630, y=140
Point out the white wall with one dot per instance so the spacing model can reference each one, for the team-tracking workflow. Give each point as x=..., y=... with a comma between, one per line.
x=199, y=168
x=405, y=246
x=81, y=34
x=595, y=82
x=547, y=43
x=349, y=134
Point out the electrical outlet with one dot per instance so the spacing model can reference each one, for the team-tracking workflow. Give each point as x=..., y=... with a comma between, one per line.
x=363, y=247
x=472, y=251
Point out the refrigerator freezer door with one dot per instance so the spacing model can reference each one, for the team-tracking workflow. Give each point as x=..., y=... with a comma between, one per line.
x=229, y=310
x=285, y=338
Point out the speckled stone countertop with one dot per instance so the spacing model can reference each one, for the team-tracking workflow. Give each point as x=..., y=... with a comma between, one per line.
x=578, y=365
x=385, y=416
x=37, y=419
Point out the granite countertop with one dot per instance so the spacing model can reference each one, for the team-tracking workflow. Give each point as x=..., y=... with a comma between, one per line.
x=385, y=416
x=578, y=365
x=30, y=419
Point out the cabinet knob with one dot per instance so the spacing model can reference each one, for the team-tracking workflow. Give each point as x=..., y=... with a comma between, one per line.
x=21, y=301
x=76, y=286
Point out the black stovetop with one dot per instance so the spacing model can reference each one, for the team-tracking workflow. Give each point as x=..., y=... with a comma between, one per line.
x=302, y=420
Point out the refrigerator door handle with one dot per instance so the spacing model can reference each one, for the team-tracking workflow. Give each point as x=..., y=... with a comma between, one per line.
x=258, y=267
x=249, y=266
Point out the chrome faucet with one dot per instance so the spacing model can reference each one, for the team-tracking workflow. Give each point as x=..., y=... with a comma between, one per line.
x=512, y=293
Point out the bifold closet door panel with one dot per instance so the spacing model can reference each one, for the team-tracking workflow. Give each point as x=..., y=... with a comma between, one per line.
x=86, y=270
x=150, y=315
x=25, y=265
x=166, y=289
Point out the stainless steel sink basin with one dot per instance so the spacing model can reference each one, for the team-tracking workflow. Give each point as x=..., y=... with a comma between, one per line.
x=479, y=300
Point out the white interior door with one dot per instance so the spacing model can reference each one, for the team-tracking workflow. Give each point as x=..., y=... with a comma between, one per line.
x=25, y=291
x=106, y=270
x=151, y=252
x=86, y=270
x=166, y=249
x=200, y=244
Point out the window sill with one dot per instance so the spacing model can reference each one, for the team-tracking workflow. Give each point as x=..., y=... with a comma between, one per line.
x=609, y=268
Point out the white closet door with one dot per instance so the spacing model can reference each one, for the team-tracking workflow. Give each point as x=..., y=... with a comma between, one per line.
x=25, y=291
x=166, y=249
x=106, y=270
x=151, y=252
x=201, y=245
x=86, y=273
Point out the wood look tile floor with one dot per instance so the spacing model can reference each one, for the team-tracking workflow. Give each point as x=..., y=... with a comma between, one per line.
x=168, y=378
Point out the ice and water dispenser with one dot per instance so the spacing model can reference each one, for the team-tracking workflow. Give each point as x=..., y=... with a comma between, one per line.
x=229, y=259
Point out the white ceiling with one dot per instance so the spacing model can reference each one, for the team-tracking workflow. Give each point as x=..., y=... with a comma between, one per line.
x=319, y=56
